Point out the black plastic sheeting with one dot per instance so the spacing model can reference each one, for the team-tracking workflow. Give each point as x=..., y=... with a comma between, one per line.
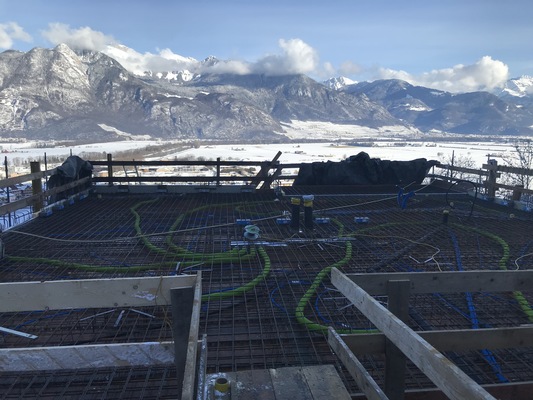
x=72, y=169
x=363, y=170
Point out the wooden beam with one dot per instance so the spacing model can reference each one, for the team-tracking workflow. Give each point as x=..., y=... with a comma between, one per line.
x=191, y=371
x=502, y=391
x=90, y=293
x=26, y=178
x=449, y=340
x=87, y=356
x=514, y=170
x=448, y=282
x=182, y=305
x=441, y=371
x=262, y=175
x=364, y=381
x=30, y=200
x=462, y=169
x=395, y=360
x=201, y=381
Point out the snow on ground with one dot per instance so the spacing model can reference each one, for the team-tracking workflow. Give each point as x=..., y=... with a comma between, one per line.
x=310, y=152
x=29, y=151
x=329, y=131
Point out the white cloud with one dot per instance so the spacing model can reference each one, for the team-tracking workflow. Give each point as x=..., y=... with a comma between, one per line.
x=138, y=63
x=229, y=67
x=485, y=74
x=350, y=68
x=83, y=38
x=11, y=31
x=297, y=58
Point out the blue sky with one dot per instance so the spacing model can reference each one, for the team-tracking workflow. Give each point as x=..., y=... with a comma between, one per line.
x=456, y=45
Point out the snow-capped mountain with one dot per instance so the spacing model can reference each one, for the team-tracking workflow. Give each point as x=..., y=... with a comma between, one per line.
x=64, y=94
x=338, y=83
x=518, y=87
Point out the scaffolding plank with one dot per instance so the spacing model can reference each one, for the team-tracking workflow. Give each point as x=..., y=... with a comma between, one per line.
x=252, y=385
x=363, y=379
x=503, y=391
x=446, y=375
x=90, y=293
x=325, y=383
x=290, y=383
x=448, y=281
x=450, y=340
x=86, y=356
x=190, y=370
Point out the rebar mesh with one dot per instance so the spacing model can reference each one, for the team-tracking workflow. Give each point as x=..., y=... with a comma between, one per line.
x=257, y=327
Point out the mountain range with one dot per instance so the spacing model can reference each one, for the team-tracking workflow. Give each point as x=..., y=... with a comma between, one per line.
x=64, y=94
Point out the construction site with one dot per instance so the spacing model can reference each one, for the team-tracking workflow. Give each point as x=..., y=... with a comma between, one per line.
x=417, y=291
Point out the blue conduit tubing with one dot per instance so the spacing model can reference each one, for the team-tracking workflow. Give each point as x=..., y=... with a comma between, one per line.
x=472, y=314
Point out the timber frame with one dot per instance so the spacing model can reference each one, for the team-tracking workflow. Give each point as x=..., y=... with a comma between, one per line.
x=398, y=341
x=182, y=293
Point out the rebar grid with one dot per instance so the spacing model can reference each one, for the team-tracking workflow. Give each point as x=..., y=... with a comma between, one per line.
x=257, y=328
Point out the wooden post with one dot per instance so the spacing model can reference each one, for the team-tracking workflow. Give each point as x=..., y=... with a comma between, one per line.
x=7, y=191
x=447, y=376
x=36, y=186
x=185, y=319
x=517, y=192
x=262, y=175
x=110, y=169
x=395, y=360
x=218, y=171
x=492, y=166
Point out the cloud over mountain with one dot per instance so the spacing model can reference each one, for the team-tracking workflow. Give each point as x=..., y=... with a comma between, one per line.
x=11, y=31
x=485, y=74
x=294, y=57
x=83, y=38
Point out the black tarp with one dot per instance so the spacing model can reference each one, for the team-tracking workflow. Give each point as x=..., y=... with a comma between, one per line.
x=72, y=169
x=363, y=170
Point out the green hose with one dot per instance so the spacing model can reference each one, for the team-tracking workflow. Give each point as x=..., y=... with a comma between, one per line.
x=248, y=286
x=229, y=256
x=502, y=263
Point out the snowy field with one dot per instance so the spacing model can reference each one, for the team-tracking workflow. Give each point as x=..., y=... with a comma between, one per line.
x=292, y=152
x=30, y=150
x=309, y=152
x=388, y=143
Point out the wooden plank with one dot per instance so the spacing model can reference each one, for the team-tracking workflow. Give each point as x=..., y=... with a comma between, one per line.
x=513, y=170
x=395, y=360
x=361, y=376
x=290, y=383
x=252, y=385
x=30, y=200
x=201, y=382
x=325, y=383
x=262, y=175
x=90, y=293
x=442, y=372
x=448, y=281
x=462, y=169
x=157, y=179
x=182, y=304
x=165, y=163
x=319, y=382
x=450, y=340
x=503, y=391
x=513, y=187
x=26, y=178
x=192, y=342
x=87, y=356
